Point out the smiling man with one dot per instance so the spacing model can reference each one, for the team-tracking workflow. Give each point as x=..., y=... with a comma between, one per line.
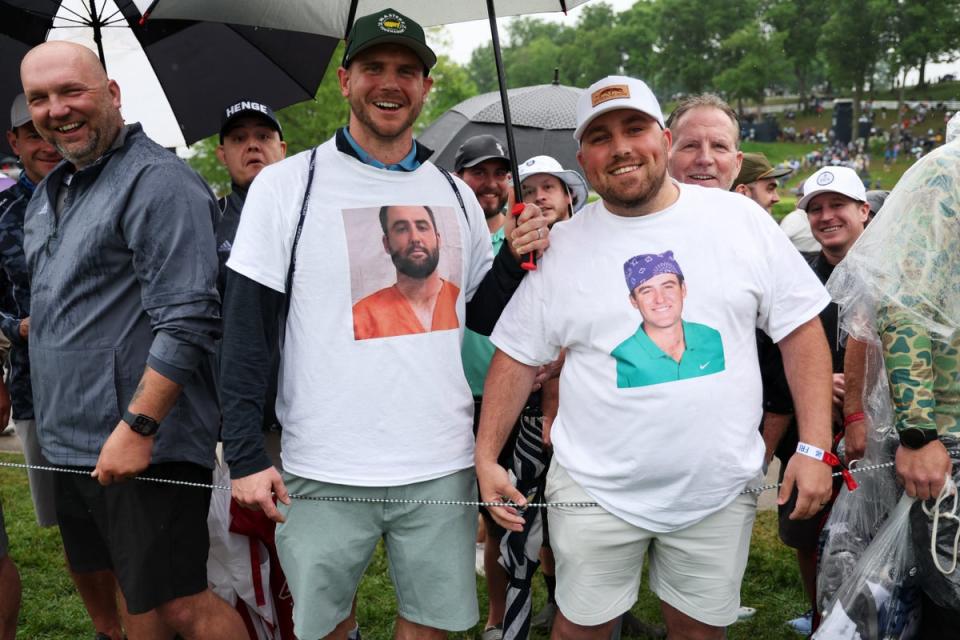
x=664, y=347
x=638, y=450
x=706, y=142
x=362, y=416
x=119, y=245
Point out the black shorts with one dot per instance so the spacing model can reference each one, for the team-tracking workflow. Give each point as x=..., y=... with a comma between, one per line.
x=803, y=535
x=153, y=536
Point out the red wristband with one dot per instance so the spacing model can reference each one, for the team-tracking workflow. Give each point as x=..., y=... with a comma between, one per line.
x=854, y=417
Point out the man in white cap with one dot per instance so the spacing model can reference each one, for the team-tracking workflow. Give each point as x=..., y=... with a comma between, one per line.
x=557, y=191
x=633, y=450
x=835, y=204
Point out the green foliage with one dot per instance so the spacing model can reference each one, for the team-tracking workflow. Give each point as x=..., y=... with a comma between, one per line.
x=451, y=85
x=752, y=62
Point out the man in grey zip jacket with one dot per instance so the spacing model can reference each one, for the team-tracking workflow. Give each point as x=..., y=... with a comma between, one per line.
x=119, y=243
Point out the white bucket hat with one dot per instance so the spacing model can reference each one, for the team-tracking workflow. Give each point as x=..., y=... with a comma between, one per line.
x=545, y=164
x=842, y=180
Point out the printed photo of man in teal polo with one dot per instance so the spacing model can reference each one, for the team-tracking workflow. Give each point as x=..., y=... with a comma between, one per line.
x=664, y=347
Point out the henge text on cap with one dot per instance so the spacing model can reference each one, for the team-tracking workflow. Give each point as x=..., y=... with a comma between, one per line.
x=247, y=106
x=612, y=92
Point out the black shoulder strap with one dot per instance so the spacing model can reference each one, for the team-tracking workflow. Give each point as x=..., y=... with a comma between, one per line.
x=222, y=203
x=296, y=237
x=453, y=185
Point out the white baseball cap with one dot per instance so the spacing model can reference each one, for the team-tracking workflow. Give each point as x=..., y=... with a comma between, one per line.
x=19, y=113
x=842, y=180
x=615, y=92
x=545, y=164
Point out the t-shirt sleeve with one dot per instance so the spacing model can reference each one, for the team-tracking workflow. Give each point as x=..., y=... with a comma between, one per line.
x=521, y=332
x=792, y=293
x=261, y=249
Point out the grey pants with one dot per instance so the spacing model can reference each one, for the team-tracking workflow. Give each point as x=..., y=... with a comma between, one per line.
x=41, y=482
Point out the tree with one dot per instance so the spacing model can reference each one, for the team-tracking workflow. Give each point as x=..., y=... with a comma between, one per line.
x=849, y=42
x=451, y=85
x=691, y=35
x=800, y=22
x=753, y=62
x=924, y=31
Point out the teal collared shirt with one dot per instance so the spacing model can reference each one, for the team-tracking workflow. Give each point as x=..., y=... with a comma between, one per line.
x=641, y=363
x=410, y=162
x=477, y=350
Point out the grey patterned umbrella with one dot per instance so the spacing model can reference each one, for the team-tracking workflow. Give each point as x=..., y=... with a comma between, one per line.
x=544, y=117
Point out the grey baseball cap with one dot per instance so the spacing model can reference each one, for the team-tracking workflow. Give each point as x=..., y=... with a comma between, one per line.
x=19, y=113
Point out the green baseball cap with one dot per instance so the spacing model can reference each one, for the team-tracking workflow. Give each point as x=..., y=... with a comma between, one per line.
x=385, y=27
x=756, y=167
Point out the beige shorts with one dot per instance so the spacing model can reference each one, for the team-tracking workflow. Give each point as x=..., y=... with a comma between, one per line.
x=696, y=570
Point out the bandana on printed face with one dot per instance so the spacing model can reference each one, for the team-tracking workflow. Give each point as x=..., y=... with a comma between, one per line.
x=639, y=269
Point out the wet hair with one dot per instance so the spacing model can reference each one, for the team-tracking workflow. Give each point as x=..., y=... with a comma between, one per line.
x=386, y=207
x=705, y=100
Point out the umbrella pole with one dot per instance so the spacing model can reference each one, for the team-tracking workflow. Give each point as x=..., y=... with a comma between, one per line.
x=530, y=261
x=97, y=34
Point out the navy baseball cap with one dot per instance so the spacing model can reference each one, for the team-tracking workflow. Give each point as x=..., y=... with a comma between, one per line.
x=248, y=108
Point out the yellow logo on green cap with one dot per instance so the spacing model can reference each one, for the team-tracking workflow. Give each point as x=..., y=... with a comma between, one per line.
x=392, y=23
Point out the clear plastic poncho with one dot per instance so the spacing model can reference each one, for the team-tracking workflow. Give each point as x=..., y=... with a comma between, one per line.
x=899, y=292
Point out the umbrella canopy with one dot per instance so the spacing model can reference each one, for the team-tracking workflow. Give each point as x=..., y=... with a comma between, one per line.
x=175, y=76
x=544, y=117
x=334, y=17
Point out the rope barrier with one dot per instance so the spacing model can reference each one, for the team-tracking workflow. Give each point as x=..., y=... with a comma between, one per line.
x=371, y=500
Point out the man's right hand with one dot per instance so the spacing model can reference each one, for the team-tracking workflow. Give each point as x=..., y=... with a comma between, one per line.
x=923, y=471
x=256, y=490
x=495, y=486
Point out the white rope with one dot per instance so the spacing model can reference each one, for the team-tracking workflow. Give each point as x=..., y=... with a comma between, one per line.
x=949, y=489
x=422, y=501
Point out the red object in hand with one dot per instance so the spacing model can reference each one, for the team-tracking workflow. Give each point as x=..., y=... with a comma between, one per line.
x=530, y=263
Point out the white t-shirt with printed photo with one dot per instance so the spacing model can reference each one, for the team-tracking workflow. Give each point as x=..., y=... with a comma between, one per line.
x=378, y=411
x=667, y=453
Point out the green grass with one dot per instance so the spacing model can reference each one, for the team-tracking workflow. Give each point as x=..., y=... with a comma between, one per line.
x=51, y=610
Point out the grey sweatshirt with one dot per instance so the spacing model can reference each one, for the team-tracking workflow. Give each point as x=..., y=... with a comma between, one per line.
x=123, y=274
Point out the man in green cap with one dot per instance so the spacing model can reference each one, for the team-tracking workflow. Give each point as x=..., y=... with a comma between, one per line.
x=758, y=180
x=385, y=420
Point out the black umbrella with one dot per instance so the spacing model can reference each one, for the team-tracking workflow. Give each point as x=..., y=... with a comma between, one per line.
x=175, y=76
x=544, y=117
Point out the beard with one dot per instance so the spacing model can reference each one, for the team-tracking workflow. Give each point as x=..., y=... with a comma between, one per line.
x=363, y=113
x=416, y=268
x=501, y=202
x=635, y=196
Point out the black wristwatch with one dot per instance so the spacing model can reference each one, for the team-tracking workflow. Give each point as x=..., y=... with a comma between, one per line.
x=915, y=438
x=144, y=425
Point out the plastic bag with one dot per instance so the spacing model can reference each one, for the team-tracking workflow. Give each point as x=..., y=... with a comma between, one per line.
x=940, y=576
x=881, y=598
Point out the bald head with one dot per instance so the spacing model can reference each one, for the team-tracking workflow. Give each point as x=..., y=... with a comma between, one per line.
x=73, y=104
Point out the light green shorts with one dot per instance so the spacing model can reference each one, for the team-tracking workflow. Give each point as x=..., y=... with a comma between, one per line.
x=325, y=548
x=696, y=570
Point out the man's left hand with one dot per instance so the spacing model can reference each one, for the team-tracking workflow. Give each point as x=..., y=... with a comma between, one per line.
x=923, y=471
x=527, y=232
x=814, y=482
x=124, y=455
